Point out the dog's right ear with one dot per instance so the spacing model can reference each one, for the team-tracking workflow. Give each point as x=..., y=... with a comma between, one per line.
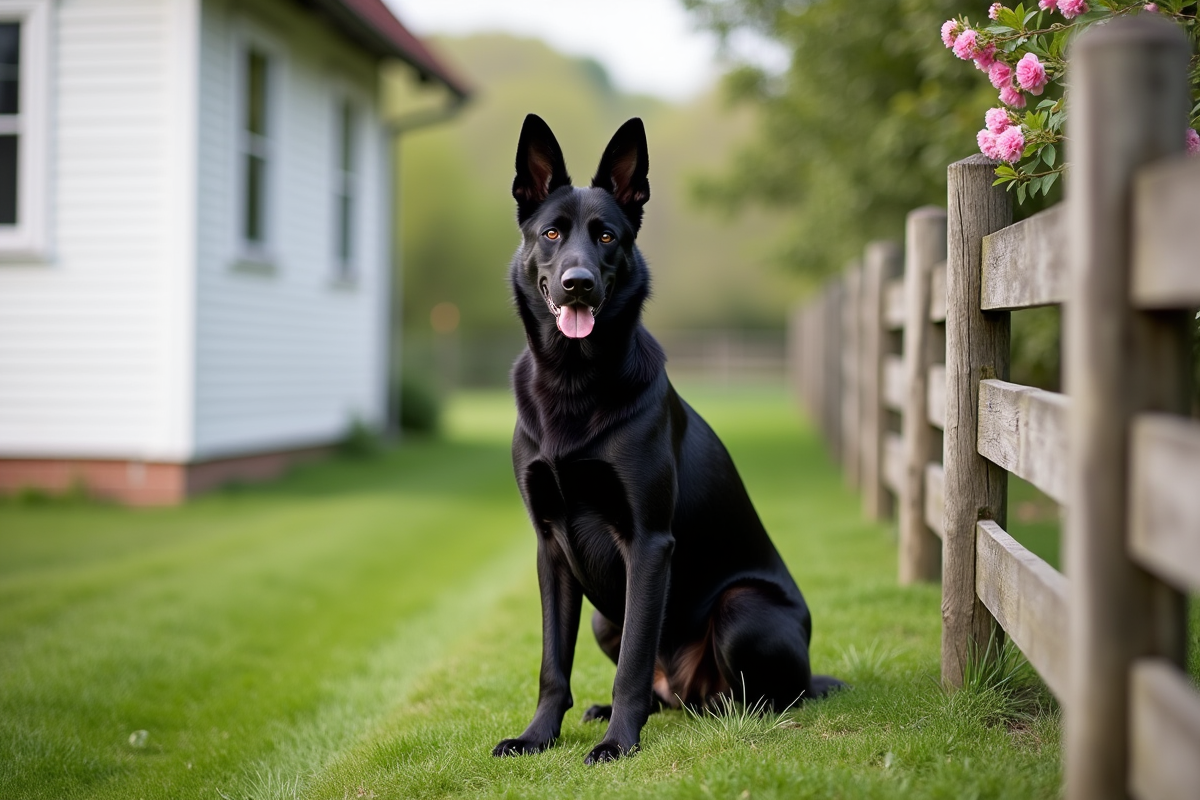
x=540, y=167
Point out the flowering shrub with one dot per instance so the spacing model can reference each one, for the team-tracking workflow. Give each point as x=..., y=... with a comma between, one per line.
x=1022, y=51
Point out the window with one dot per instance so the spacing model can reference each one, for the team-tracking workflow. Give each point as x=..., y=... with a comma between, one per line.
x=255, y=155
x=10, y=118
x=23, y=129
x=345, y=200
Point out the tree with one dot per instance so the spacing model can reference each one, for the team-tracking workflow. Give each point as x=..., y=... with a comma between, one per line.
x=859, y=129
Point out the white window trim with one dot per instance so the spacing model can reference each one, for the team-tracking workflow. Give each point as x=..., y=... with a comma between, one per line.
x=261, y=258
x=28, y=240
x=347, y=272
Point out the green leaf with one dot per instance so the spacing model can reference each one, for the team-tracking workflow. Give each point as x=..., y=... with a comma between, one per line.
x=1009, y=18
x=1021, y=193
x=1049, y=154
x=1034, y=185
x=1049, y=181
x=1045, y=104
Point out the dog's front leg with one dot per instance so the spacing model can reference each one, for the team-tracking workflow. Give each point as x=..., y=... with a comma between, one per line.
x=648, y=574
x=562, y=600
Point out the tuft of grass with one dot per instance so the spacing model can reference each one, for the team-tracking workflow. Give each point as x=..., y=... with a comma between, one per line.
x=867, y=664
x=727, y=721
x=1000, y=687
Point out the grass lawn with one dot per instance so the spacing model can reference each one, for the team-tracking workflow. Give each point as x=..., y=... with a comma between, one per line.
x=370, y=628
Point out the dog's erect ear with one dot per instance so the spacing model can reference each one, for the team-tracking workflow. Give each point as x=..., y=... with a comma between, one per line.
x=623, y=170
x=540, y=166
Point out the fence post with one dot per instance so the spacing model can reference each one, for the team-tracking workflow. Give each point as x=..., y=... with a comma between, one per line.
x=1129, y=87
x=977, y=347
x=925, y=245
x=832, y=362
x=794, y=360
x=882, y=262
x=851, y=377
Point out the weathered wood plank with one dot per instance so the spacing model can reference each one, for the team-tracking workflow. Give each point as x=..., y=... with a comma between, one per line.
x=977, y=346
x=881, y=262
x=1165, y=740
x=935, y=503
x=1166, y=238
x=1165, y=498
x=893, y=304
x=937, y=293
x=1127, y=78
x=893, y=382
x=936, y=407
x=893, y=461
x=1028, y=598
x=831, y=403
x=1025, y=264
x=851, y=377
x=1024, y=430
x=925, y=244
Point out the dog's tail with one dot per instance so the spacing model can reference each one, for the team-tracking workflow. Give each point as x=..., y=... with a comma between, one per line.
x=822, y=685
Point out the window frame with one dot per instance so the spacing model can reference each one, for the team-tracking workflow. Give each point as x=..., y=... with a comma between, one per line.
x=346, y=183
x=28, y=239
x=257, y=256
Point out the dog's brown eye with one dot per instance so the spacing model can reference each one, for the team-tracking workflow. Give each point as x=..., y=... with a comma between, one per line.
x=551, y=233
x=607, y=237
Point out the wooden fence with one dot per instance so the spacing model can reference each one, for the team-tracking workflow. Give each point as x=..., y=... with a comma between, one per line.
x=903, y=363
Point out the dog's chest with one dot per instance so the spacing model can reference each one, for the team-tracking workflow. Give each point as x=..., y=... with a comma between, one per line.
x=586, y=510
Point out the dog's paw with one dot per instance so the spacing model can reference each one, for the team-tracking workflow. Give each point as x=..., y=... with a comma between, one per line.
x=518, y=747
x=608, y=751
x=597, y=712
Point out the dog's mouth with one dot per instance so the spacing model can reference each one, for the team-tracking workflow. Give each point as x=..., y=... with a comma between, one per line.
x=575, y=320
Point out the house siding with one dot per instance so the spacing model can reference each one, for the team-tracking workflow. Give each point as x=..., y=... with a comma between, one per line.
x=89, y=337
x=289, y=357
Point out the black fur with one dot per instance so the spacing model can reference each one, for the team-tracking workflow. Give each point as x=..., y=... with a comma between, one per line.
x=636, y=502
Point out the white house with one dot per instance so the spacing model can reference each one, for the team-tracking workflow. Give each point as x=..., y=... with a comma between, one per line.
x=195, y=225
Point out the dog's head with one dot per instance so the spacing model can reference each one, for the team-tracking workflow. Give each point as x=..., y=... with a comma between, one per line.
x=578, y=244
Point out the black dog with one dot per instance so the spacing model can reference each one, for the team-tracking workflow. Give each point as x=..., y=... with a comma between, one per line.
x=635, y=501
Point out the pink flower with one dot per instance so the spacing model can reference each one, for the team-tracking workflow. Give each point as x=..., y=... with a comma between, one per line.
x=1010, y=144
x=949, y=32
x=1047, y=5
x=966, y=45
x=1193, y=142
x=997, y=120
x=1031, y=75
x=1072, y=8
x=1000, y=74
x=994, y=10
x=1151, y=7
x=1011, y=96
x=987, y=144
x=986, y=57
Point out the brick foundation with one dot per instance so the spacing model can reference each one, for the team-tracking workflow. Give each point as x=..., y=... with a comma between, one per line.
x=142, y=483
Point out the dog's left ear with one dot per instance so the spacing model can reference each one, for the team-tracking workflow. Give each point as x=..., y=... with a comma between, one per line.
x=623, y=170
x=540, y=167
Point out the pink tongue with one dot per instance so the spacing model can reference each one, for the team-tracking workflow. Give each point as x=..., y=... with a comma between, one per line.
x=575, y=321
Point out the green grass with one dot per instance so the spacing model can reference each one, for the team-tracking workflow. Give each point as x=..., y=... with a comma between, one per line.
x=371, y=628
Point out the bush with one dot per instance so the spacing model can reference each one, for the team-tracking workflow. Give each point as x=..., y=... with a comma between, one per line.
x=361, y=441
x=420, y=405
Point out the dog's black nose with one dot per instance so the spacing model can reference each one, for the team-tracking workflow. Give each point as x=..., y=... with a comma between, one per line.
x=577, y=281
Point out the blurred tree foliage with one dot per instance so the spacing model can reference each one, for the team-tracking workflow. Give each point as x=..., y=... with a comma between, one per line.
x=861, y=126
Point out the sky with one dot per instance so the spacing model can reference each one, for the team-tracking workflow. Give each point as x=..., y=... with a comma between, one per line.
x=647, y=46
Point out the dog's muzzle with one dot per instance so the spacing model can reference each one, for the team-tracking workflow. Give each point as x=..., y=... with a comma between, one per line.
x=574, y=320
